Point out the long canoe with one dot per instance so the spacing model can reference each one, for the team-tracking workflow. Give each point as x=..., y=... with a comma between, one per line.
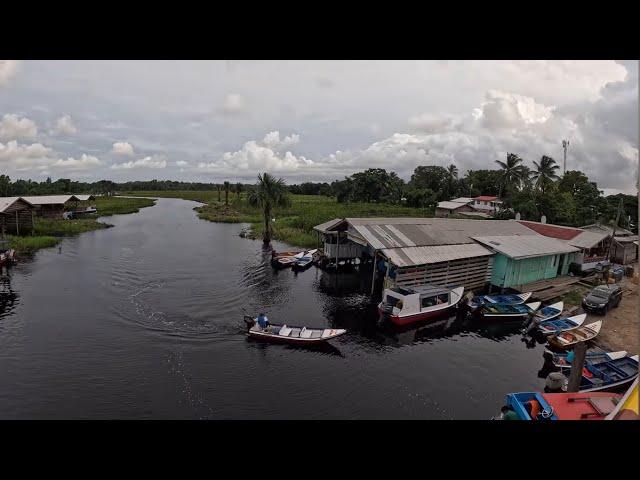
x=560, y=359
x=500, y=311
x=549, y=312
x=608, y=375
x=550, y=327
x=292, y=334
x=509, y=299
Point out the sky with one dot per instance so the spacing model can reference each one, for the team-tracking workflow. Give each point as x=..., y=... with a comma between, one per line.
x=211, y=121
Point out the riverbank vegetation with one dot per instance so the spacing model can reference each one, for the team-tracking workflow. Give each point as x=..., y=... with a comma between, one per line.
x=49, y=231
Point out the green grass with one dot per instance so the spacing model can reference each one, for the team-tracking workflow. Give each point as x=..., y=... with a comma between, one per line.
x=574, y=297
x=48, y=231
x=294, y=224
x=31, y=244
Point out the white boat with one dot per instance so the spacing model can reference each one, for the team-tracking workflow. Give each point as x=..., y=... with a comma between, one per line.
x=550, y=327
x=581, y=334
x=549, y=312
x=405, y=305
x=508, y=299
x=291, y=334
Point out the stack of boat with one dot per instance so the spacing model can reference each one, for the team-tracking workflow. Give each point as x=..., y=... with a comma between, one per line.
x=297, y=260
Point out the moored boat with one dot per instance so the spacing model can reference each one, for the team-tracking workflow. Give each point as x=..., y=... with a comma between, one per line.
x=608, y=375
x=291, y=334
x=583, y=333
x=7, y=257
x=562, y=406
x=405, y=305
x=286, y=261
x=508, y=299
x=555, y=326
x=560, y=359
x=305, y=261
x=549, y=312
x=499, y=311
x=627, y=408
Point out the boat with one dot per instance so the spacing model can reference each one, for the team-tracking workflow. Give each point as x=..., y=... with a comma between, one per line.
x=405, y=305
x=563, y=406
x=583, y=333
x=290, y=334
x=560, y=359
x=608, y=375
x=286, y=261
x=304, y=262
x=7, y=257
x=549, y=312
x=86, y=211
x=508, y=299
x=501, y=311
x=555, y=326
x=627, y=408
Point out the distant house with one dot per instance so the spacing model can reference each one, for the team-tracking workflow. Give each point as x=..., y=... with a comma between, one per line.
x=16, y=215
x=486, y=203
x=452, y=207
x=624, y=249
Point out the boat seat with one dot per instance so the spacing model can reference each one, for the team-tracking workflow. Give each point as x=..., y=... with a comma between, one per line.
x=326, y=332
x=316, y=333
x=285, y=331
x=305, y=333
x=295, y=332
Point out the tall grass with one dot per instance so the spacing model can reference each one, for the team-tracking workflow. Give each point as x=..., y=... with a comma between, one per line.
x=294, y=224
x=31, y=244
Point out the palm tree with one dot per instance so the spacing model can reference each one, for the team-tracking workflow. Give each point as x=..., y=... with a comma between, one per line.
x=226, y=193
x=238, y=189
x=545, y=172
x=512, y=171
x=268, y=194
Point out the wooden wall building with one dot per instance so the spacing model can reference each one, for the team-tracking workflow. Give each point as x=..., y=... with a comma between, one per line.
x=16, y=216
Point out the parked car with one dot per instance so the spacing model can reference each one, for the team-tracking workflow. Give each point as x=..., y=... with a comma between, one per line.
x=602, y=298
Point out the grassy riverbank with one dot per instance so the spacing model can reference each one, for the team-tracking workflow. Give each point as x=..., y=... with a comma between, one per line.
x=48, y=232
x=294, y=224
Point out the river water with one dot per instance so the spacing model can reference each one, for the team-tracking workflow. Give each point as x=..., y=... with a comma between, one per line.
x=144, y=321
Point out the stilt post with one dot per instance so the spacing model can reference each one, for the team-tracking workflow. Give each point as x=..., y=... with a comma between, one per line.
x=580, y=352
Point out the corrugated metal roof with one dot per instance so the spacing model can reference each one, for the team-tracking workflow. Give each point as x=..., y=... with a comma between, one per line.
x=326, y=226
x=6, y=202
x=598, y=227
x=450, y=205
x=630, y=238
x=587, y=239
x=414, y=232
x=548, y=230
x=486, y=198
x=525, y=246
x=84, y=198
x=462, y=200
x=49, y=199
x=412, y=256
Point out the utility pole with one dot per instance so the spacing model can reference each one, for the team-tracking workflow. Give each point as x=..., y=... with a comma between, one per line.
x=613, y=234
x=565, y=144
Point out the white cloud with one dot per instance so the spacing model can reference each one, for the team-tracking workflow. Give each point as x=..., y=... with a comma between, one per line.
x=14, y=127
x=508, y=110
x=233, y=104
x=14, y=156
x=122, y=148
x=85, y=162
x=146, y=162
x=65, y=126
x=182, y=163
x=8, y=69
x=260, y=155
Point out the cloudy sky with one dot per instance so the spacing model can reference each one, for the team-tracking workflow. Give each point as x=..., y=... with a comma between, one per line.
x=313, y=120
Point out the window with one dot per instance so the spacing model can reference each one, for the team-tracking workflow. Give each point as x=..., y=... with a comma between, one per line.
x=442, y=298
x=428, y=302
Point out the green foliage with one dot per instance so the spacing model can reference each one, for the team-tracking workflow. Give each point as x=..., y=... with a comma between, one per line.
x=269, y=193
x=31, y=244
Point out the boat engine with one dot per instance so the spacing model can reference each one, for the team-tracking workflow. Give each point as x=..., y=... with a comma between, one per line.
x=250, y=322
x=555, y=382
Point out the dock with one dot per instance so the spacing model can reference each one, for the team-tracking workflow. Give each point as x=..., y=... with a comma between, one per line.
x=544, y=290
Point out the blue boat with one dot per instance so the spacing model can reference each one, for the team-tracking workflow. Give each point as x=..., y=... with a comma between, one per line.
x=549, y=327
x=563, y=406
x=304, y=262
x=560, y=359
x=500, y=311
x=549, y=312
x=509, y=299
x=607, y=375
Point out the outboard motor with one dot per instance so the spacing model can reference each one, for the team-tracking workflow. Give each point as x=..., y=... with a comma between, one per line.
x=249, y=321
x=555, y=382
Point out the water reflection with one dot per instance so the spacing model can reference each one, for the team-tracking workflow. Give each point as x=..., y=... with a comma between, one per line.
x=8, y=297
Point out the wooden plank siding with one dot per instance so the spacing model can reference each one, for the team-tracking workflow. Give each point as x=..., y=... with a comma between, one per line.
x=472, y=273
x=17, y=219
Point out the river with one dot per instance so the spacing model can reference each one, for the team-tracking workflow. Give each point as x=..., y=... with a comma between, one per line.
x=144, y=321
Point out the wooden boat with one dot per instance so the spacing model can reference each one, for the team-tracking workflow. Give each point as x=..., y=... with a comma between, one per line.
x=627, y=408
x=500, y=311
x=509, y=299
x=608, y=375
x=291, y=334
x=304, y=262
x=563, y=406
x=581, y=334
x=555, y=326
x=405, y=305
x=284, y=262
x=549, y=312
x=560, y=359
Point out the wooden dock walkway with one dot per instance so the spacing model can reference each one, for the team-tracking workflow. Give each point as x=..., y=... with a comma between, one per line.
x=544, y=290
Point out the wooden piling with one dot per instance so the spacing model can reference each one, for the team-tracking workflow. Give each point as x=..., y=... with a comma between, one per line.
x=580, y=353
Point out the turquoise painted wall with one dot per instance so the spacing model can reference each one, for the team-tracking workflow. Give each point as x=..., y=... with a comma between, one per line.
x=508, y=272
